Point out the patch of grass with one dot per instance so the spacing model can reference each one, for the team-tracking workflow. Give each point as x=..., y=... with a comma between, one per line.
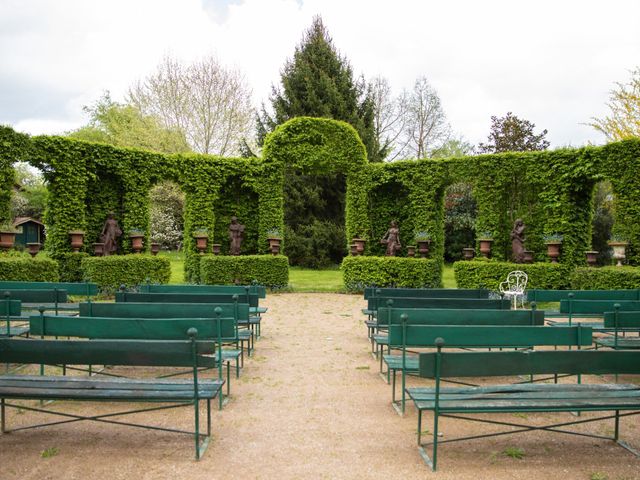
x=448, y=278
x=520, y=415
x=49, y=452
x=598, y=476
x=514, y=452
x=364, y=367
x=308, y=280
x=177, y=265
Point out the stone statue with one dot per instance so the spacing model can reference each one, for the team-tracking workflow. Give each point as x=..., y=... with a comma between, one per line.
x=517, y=241
x=236, y=232
x=392, y=239
x=110, y=233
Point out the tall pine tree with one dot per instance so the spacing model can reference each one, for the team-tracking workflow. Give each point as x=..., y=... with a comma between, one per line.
x=318, y=82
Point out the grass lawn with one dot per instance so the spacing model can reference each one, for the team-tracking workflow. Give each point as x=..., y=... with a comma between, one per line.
x=177, y=265
x=448, y=280
x=307, y=280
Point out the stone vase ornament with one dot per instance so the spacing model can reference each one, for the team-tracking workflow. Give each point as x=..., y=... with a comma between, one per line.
x=201, y=242
x=592, y=257
x=155, y=249
x=468, y=253
x=553, y=251
x=33, y=248
x=619, y=251
x=137, y=242
x=353, y=249
x=217, y=248
x=98, y=249
x=77, y=240
x=7, y=239
x=360, y=244
x=274, y=245
x=411, y=251
x=485, y=246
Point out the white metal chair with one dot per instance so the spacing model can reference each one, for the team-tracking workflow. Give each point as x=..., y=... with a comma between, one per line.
x=514, y=287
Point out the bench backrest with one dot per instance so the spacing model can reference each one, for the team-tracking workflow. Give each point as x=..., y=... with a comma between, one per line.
x=11, y=308
x=175, y=353
x=450, y=316
x=455, y=303
x=185, y=298
x=72, y=288
x=488, y=336
x=132, y=328
x=617, y=319
x=36, y=296
x=535, y=295
x=537, y=362
x=596, y=306
x=371, y=292
x=240, y=311
x=259, y=290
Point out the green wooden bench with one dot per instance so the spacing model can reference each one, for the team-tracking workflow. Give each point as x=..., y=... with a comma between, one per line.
x=85, y=289
x=458, y=402
x=406, y=335
x=239, y=311
x=537, y=295
x=217, y=330
x=10, y=311
x=51, y=299
x=571, y=308
x=621, y=323
x=260, y=290
x=371, y=292
x=175, y=393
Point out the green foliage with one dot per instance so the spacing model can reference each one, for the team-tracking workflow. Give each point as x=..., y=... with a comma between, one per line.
x=70, y=266
x=113, y=271
x=14, y=147
x=605, y=278
x=510, y=134
x=360, y=272
x=318, y=245
x=489, y=274
x=514, y=452
x=271, y=271
x=166, y=215
x=25, y=269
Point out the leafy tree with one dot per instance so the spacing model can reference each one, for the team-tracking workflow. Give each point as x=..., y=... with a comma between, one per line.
x=123, y=125
x=29, y=198
x=511, y=134
x=624, y=105
x=454, y=147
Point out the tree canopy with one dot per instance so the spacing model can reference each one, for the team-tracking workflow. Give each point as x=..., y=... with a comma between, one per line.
x=623, y=120
x=511, y=134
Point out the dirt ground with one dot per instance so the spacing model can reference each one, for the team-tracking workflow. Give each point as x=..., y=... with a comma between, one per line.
x=309, y=404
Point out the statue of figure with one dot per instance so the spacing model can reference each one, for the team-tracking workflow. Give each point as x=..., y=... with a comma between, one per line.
x=392, y=239
x=110, y=232
x=236, y=232
x=517, y=241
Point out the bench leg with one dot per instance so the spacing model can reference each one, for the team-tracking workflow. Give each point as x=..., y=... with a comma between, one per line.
x=2, y=416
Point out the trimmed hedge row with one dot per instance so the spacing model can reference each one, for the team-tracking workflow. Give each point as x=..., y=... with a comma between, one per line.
x=130, y=270
x=361, y=272
x=70, y=266
x=268, y=270
x=25, y=269
x=605, y=278
x=489, y=274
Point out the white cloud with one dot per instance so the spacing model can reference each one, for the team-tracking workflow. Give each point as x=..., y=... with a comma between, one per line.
x=550, y=62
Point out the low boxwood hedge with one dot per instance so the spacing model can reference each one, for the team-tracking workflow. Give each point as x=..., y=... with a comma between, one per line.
x=27, y=269
x=130, y=270
x=605, y=278
x=70, y=266
x=489, y=274
x=268, y=270
x=361, y=272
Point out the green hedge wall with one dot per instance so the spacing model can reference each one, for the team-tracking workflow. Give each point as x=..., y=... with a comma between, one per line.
x=362, y=271
x=70, y=266
x=268, y=270
x=489, y=274
x=130, y=270
x=25, y=269
x=605, y=278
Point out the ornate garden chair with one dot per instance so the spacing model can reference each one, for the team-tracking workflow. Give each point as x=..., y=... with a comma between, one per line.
x=514, y=287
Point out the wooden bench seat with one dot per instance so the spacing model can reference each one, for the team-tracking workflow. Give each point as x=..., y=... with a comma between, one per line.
x=458, y=402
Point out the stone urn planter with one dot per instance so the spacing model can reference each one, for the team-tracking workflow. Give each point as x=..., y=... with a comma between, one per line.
x=98, y=249
x=155, y=248
x=411, y=251
x=553, y=251
x=468, y=253
x=527, y=256
x=202, y=241
x=33, y=248
x=353, y=249
x=137, y=242
x=592, y=257
x=274, y=245
x=77, y=240
x=7, y=239
x=423, y=247
x=619, y=251
x=217, y=248
x=360, y=244
x=485, y=246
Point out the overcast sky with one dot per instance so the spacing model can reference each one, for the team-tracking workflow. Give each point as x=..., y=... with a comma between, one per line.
x=551, y=62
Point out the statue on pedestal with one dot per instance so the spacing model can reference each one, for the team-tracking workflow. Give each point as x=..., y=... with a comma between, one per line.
x=236, y=232
x=517, y=241
x=110, y=233
x=392, y=239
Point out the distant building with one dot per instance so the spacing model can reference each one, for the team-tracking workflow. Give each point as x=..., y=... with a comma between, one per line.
x=29, y=231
